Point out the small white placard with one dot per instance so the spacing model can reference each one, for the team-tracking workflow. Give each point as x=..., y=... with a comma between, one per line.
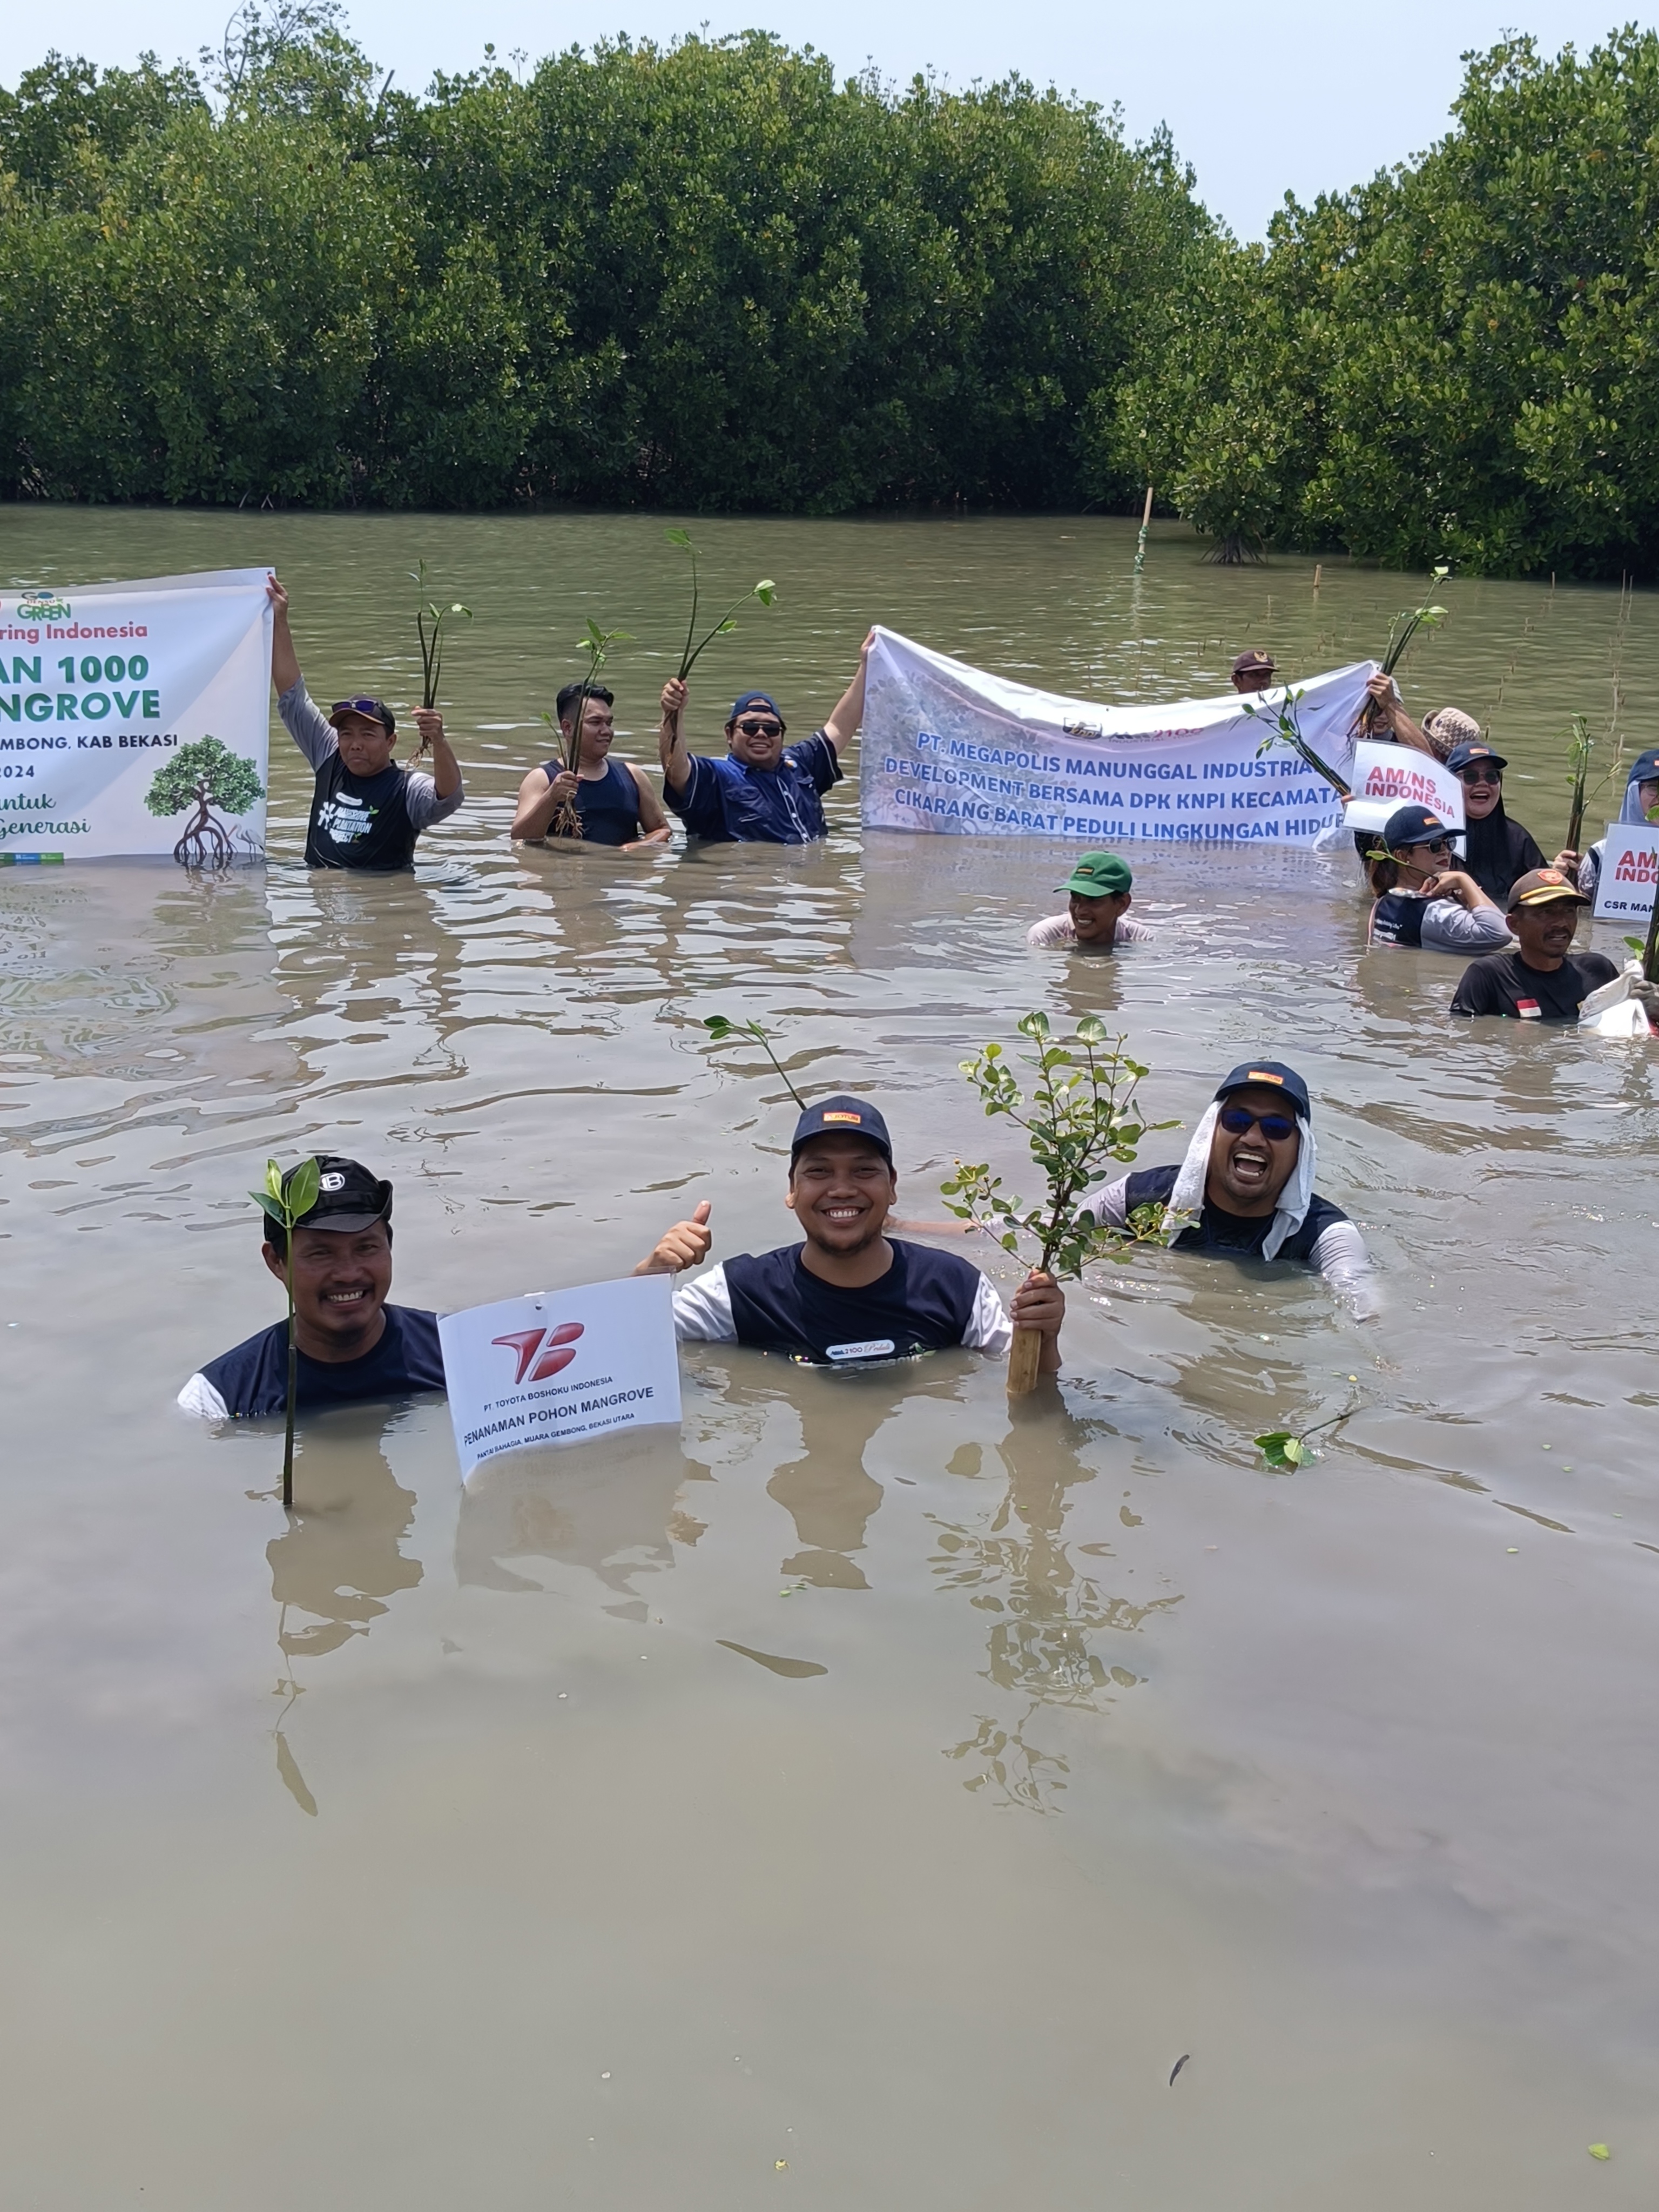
x=561, y=1365
x=1385, y=777
x=1629, y=863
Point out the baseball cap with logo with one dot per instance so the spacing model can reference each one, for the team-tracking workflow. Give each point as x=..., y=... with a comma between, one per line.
x=1098, y=875
x=371, y=710
x=842, y=1116
x=347, y=1196
x=1543, y=887
x=1276, y=1077
x=1644, y=768
x=1473, y=755
x=1415, y=826
x=1248, y=663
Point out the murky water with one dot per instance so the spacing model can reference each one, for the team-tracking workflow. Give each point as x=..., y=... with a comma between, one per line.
x=444, y=1848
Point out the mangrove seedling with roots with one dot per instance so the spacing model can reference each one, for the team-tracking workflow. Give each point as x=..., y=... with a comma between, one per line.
x=1370, y=721
x=1286, y=730
x=1081, y=1121
x=204, y=775
x=765, y=592
x=429, y=620
x=287, y=1201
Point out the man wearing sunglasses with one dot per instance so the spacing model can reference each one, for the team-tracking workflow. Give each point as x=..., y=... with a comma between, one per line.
x=763, y=792
x=367, y=810
x=1543, y=979
x=1498, y=851
x=1422, y=898
x=1245, y=1189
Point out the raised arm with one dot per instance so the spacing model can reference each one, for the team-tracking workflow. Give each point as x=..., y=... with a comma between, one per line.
x=671, y=737
x=284, y=661
x=1400, y=722
x=686, y=1245
x=843, y=723
x=445, y=769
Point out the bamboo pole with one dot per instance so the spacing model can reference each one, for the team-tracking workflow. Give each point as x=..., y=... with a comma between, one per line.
x=1140, y=542
x=1024, y=1358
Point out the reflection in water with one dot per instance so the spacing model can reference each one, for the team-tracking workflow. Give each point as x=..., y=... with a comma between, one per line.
x=1045, y=1608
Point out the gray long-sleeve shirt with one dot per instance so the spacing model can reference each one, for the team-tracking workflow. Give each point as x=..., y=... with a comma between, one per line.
x=311, y=731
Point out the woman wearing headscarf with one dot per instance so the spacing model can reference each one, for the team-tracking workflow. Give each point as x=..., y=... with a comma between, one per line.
x=1496, y=852
x=1246, y=1187
x=1640, y=810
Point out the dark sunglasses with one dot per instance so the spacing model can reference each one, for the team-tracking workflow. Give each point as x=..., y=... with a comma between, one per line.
x=1236, y=1120
x=1440, y=846
x=753, y=726
x=1473, y=776
x=371, y=708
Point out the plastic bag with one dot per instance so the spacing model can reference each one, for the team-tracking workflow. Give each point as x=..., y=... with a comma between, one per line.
x=1614, y=1010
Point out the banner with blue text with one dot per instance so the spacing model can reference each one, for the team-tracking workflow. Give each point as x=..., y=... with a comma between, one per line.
x=134, y=719
x=951, y=749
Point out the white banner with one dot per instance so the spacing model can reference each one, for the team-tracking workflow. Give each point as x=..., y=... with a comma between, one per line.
x=1630, y=866
x=134, y=719
x=1387, y=776
x=560, y=1364
x=950, y=748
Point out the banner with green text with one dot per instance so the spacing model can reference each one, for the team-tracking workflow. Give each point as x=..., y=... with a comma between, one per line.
x=134, y=719
x=949, y=748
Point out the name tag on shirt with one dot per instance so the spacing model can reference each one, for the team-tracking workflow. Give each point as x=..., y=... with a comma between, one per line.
x=878, y=1347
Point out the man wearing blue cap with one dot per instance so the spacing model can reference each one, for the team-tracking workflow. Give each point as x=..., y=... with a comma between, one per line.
x=1245, y=1188
x=763, y=792
x=848, y=1296
x=1423, y=897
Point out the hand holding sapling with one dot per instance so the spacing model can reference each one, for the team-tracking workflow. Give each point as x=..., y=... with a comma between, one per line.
x=286, y=1206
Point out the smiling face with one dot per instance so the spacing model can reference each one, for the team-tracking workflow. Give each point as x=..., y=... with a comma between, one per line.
x=755, y=737
x=1096, y=920
x=365, y=747
x=1545, y=932
x=598, y=729
x=1248, y=1168
x=341, y=1282
x=841, y=1191
x=1483, y=787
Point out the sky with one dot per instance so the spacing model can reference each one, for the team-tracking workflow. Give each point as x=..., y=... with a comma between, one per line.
x=1285, y=96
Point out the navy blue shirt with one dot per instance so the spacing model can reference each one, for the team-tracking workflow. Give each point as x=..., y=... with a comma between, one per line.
x=925, y=1302
x=728, y=803
x=1218, y=1231
x=252, y=1379
x=608, y=805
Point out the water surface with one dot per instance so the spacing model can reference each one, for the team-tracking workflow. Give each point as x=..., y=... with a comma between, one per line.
x=867, y=1794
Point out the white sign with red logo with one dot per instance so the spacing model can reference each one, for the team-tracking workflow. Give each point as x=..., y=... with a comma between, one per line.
x=1386, y=777
x=1630, y=866
x=561, y=1365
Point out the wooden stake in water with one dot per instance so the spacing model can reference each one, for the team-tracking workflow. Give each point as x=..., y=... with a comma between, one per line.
x=1140, y=542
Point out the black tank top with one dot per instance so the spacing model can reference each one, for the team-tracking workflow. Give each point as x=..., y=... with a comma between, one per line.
x=608, y=805
x=359, y=822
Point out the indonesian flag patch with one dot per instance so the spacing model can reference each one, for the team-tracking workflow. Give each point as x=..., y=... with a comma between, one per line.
x=1530, y=1010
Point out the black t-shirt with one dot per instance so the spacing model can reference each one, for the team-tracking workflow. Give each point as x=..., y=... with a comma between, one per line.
x=923, y=1303
x=360, y=822
x=1240, y=1235
x=252, y=1379
x=1503, y=983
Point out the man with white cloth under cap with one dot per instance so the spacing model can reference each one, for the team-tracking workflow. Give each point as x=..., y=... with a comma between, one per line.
x=1246, y=1185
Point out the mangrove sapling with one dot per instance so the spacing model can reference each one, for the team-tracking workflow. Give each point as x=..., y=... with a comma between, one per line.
x=287, y=1203
x=429, y=620
x=1289, y=1449
x=1286, y=730
x=721, y=1031
x=1371, y=722
x=596, y=643
x=1579, y=747
x=765, y=592
x=1080, y=1121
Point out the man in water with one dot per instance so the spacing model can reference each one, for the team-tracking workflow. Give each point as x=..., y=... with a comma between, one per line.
x=762, y=792
x=1254, y=670
x=615, y=804
x=1098, y=916
x=366, y=810
x=1422, y=898
x=1543, y=980
x=850, y=1295
x=1245, y=1188
x=1639, y=810
x=352, y=1345
x=1498, y=851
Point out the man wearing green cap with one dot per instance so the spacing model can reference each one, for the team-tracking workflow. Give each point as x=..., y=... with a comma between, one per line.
x=1098, y=918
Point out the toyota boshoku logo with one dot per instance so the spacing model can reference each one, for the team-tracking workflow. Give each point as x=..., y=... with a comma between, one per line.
x=542, y=1352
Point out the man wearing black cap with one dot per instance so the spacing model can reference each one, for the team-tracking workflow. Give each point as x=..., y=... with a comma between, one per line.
x=1498, y=851
x=1422, y=898
x=1543, y=980
x=1245, y=1188
x=849, y=1296
x=763, y=792
x=1252, y=671
x=352, y=1345
x=366, y=810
